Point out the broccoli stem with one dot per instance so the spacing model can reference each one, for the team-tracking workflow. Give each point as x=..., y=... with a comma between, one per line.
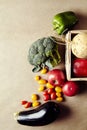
x=55, y=58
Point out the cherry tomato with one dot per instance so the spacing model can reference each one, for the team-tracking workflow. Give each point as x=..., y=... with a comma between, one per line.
x=53, y=95
x=70, y=88
x=28, y=104
x=23, y=102
x=45, y=92
x=35, y=103
x=46, y=97
x=56, y=77
x=80, y=67
x=34, y=97
x=50, y=90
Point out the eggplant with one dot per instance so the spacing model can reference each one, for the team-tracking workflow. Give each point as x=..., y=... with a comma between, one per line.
x=42, y=115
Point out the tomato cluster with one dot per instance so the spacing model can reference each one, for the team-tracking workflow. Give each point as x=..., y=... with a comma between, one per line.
x=52, y=94
x=52, y=88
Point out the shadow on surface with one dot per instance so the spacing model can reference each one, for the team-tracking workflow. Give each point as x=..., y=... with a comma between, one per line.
x=82, y=24
x=65, y=112
x=83, y=86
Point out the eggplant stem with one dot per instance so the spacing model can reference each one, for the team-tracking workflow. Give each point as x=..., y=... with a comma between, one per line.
x=16, y=115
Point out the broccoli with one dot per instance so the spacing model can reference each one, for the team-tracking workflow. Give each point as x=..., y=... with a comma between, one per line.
x=44, y=52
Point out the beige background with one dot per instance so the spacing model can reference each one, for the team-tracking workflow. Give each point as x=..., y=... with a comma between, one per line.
x=21, y=23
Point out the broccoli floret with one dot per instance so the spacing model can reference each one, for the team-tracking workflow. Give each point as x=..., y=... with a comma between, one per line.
x=39, y=58
x=44, y=52
x=36, y=52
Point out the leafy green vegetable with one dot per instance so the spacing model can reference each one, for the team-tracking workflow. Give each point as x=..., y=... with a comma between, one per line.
x=44, y=52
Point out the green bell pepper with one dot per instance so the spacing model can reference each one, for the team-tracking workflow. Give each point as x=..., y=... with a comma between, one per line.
x=64, y=21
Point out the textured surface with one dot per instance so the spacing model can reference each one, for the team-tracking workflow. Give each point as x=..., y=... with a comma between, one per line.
x=21, y=23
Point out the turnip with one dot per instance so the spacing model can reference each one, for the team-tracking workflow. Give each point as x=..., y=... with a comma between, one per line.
x=79, y=45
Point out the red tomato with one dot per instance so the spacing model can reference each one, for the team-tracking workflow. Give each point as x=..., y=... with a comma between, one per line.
x=56, y=77
x=23, y=102
x=46, y=97
x=80, y=67
x=53, y=95
x=28, y=104
x=50, y=90
x=45, y=92
x=70, y=88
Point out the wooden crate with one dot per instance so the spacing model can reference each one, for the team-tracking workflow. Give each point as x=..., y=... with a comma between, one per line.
x=68, y=55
